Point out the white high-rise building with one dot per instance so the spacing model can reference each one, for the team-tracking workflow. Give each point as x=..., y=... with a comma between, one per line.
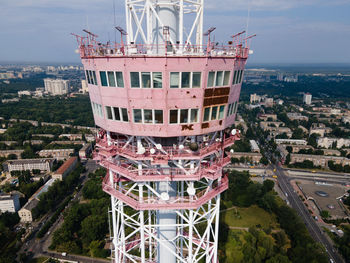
x=307, y=98
x=84, y=86
x=56, y=86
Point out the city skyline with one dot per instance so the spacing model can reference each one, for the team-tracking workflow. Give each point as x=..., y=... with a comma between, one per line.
x=288, y=31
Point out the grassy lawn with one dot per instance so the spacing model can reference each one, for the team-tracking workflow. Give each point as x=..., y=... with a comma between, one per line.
x=234, y=246
x=248, y=217
x=39, y=260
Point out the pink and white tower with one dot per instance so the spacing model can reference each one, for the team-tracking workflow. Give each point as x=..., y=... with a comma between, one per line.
x=165, y=103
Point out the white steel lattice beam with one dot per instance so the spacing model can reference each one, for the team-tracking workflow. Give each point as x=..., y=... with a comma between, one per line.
x=142, y=18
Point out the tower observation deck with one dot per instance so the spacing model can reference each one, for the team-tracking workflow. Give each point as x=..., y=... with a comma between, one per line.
x=164, y=102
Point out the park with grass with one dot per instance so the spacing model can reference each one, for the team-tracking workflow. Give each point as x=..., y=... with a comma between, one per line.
x=257, y=226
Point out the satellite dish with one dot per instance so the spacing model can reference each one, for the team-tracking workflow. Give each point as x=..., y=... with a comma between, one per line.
x=159, y=146
x=251, y=52
x=141, y=150
x=152, y=151
x=76, y=51
x=181, y=147
x=191, y=191
x=232, y=151
x=164, y=196
x=234, y=132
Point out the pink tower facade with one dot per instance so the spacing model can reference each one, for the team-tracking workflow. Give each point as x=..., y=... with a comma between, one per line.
x=164, y=108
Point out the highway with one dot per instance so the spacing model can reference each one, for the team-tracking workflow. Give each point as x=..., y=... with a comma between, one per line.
x=310, y=223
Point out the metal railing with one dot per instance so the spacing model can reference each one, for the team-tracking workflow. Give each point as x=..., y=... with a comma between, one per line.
x=130, y=151
x=155, y=203
x=120, y=50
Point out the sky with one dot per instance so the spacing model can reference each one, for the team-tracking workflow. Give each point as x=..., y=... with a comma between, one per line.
x=288, y=31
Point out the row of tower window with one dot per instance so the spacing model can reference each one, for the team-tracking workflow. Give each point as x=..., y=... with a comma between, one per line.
x=214, y=113
x=91, y=77
x=232, y=108
x=154, y=80
x=176, y=116
x=117, y=114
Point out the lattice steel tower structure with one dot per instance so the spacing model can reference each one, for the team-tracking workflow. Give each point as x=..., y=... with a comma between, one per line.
x=164, y=102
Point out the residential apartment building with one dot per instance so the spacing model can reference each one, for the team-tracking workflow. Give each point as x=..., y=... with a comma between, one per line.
x=327, y=142
x=297, y=116
x=6, y=153
x=84, y=86
x=42, y=164
x=25, y=213
x=307, y=98
x=254, y=98
x=320, y=128
x=291, y=141
x=89, y=137
x=72, y=137
x=268, y=117
x=68, y=142
x=65, y=168
x=56, y=86
x=44, y=135
x=253, y=158
x=9, y=203
x=266, y=125
x=58, y=154
x=33, y=142
x=85, y=151
x=254, y=146
x=318, y=160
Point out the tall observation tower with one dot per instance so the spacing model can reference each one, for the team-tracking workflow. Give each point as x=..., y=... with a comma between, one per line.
x=164, y=98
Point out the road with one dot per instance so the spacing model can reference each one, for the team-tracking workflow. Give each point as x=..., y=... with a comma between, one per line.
x=310, y=223
x=40, y=247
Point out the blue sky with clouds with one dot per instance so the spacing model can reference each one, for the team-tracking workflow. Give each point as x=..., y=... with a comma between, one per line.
x=288, y=31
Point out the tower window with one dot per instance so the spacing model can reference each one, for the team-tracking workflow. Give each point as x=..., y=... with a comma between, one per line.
x=184, y=116
x=125, y=115
x=146, y=80
x=147, y=114
x=196, y=79
x=137, y=116
x=157, y=80
x=120, y=80
x=111, y=79
x=158, y=116
x=103, y=78
x=206, y=114
x=173, y=116
x=135, y=79
x=174, y=80
x=185, y=79
x=211, y=77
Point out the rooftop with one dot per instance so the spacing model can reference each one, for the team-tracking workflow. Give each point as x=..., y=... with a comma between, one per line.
x=66, y=165
x=25, y=161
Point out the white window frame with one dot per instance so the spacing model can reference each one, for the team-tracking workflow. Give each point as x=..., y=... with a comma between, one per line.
x=151, y=78
x=143, y=117
x=190, y=80
x=209, y=117
x=223, y=115
x=188, y=116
